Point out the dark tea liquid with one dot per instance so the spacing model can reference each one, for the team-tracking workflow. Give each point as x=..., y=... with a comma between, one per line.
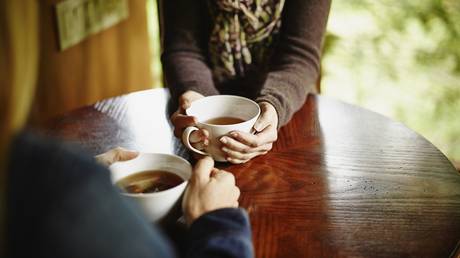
x=224, y=120
x=150, y=181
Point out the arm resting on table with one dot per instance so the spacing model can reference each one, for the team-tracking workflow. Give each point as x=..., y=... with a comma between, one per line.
x=295, y=65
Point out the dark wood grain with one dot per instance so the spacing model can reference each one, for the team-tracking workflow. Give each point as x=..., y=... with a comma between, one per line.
x=341, y=181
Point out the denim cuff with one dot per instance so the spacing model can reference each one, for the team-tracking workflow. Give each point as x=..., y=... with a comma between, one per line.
x=226, y=232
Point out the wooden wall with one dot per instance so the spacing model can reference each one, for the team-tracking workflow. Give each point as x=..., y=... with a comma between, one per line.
x=112, y=62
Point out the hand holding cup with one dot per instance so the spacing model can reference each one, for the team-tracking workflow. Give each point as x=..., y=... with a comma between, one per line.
x=180, y=120
x=209, y=189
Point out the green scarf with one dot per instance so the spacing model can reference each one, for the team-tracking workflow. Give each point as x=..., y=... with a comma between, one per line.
x=242, y=35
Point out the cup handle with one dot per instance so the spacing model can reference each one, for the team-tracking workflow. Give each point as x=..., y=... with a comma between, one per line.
x=186, y=140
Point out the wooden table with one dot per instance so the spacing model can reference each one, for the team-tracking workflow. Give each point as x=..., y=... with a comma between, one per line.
x=341, y=181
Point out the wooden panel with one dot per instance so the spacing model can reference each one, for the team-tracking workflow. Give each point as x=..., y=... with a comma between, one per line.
x=112, y=62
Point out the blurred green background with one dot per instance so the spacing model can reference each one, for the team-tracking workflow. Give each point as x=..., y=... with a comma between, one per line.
x=400, y=58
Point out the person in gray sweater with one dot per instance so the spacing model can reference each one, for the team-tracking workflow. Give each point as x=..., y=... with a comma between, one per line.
x=266, y=50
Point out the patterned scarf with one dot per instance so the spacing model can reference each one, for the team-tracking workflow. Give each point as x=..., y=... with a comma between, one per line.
x=242, y=35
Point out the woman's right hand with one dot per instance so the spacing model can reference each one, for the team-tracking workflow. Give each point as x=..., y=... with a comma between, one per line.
x=209, y=189
x=199, y=138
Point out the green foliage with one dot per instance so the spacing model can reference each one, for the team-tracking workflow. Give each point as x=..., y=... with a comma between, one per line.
x=399, y=58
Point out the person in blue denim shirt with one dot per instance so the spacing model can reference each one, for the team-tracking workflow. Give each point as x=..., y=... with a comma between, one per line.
x=57, y=201
x=61, y=203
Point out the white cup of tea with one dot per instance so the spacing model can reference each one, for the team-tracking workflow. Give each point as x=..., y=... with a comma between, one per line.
x=155, y=181
x=220, y=115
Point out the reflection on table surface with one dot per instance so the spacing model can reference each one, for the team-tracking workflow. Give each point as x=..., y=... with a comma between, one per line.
x=340, y=180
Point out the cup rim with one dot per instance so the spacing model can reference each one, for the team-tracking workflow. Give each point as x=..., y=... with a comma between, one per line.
x=225, y=96
x=146, y=195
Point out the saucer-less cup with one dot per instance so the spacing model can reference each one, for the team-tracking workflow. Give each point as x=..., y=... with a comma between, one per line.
x=220, y=106
x=156, y=206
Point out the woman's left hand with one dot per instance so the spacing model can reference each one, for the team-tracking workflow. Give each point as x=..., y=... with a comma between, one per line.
x=114, y=155
x=240, y=147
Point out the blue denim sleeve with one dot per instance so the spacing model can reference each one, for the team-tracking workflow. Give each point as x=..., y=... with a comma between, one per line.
x=62, y=204
x=221, y=233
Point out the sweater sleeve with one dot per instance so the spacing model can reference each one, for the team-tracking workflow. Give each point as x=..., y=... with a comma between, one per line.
x=294, y=67
x=221, y=233
x=184, y=56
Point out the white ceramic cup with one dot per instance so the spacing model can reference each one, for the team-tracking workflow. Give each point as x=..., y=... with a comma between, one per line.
x=159, y=204
x=220, y=106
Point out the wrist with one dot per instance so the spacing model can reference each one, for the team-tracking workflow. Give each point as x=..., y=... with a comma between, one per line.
x=275, y=102
x=268, y=108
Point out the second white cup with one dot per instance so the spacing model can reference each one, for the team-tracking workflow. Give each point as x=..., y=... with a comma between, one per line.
x=156, y=206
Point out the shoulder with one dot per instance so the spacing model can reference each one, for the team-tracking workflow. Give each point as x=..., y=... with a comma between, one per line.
x=58, y=196
x=36, y=146
x=37, y=159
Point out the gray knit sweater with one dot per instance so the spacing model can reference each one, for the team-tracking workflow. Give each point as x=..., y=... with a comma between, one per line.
x=284, y=81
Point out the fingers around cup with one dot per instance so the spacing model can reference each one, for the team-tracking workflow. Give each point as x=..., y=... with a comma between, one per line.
x=122, y=154
x=232, y=144
x=200, y=135
x=224, y=177
x=181, y=121
x=236, y=161
x=186, y=139
x=115, y=155
x=203, y=169
x=199, y=145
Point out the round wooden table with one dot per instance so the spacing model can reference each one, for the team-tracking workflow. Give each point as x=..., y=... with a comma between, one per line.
x=341, y=181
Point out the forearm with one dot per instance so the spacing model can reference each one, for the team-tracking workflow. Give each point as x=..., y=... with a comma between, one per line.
x=186, y=70
x=294, y=67
x=287, y=91
x=221, y=233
